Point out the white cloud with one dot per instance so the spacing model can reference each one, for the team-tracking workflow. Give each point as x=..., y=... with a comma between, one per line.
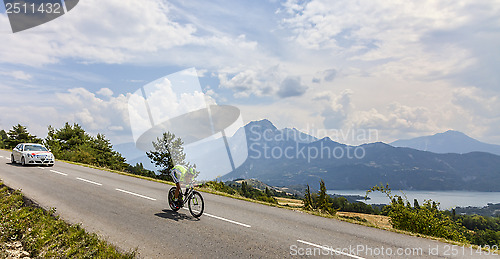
x=290, y=87
x=416, y=40
x=377, y=64
x=252, y=81
x=17, y=74
x=262, y=81
x=330, y=74
x=37, y=109
x=336, y=107
x=477, y=102
x=399, y=121
x=92, y=112
x=114, y=31
x=105, y=92
x=479, y=113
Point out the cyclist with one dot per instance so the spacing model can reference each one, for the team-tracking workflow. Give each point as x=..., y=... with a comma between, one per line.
x=180, y=174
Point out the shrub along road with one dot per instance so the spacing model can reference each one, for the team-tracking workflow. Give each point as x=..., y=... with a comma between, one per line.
x=133, y=213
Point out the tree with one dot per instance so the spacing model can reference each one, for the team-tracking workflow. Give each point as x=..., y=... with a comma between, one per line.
x=66, y=138
x=168, y=152
x=104, y=155
x=268, y=192
x=3, y=139
x=244, y=189
x=139, y=169
x=72, y=143
x=340, y=203
x=308, y=203
x=323, y=203
x=19, y=134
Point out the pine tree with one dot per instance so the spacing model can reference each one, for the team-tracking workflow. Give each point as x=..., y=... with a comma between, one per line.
x=72, y=143
x=3, y=139
x=268, y=192
x=244, y=189
x=168, y=152
x=323, y=204
x=19, y=134
x=308, y=203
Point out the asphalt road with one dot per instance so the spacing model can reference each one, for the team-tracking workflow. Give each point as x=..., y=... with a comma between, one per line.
x=133, y=213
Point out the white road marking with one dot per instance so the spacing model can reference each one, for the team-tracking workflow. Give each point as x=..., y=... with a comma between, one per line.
x=138, y=195
x=41, y=168
x=54, y=171
x=228, y=220
x=88, y=181
x=330, y=249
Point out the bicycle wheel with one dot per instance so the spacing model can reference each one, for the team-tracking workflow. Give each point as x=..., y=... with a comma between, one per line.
x=171, y=197
x=196, y=204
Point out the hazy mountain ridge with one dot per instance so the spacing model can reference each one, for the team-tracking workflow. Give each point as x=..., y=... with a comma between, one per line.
x=375, y=163
x=448, y=142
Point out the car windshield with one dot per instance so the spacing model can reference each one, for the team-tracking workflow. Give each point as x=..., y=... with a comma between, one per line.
x=34, y=148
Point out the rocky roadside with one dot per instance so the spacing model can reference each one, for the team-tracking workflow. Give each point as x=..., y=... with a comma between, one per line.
x=13, y=250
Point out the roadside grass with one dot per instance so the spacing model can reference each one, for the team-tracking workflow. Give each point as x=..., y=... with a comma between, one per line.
x=44, y=235
x=290, y=202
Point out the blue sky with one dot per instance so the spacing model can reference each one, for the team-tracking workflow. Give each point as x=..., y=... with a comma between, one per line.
x=403, y=68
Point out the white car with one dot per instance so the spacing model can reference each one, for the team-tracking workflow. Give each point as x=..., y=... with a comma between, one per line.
x=32, y=154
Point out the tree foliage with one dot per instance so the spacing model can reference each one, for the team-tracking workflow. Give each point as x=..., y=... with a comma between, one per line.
x=425, y=219
x=308, y=203
x=72, y=143
x=324, y=204
x=3, y=139
x=138, y=169
x=18, y=134
x=168, y=152
x=320, y=201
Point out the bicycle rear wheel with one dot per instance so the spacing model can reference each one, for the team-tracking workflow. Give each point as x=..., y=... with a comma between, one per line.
x=171, y=197
x=196, y=204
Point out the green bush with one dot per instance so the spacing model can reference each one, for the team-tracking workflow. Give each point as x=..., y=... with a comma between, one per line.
x=219, y=186
x=424, y=219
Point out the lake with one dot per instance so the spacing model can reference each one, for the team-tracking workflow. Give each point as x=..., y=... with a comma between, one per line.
x=447, y=199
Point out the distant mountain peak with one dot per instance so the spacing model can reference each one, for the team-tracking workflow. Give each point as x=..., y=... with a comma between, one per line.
x=450, y=141
x=452, y=132
x=264, y=124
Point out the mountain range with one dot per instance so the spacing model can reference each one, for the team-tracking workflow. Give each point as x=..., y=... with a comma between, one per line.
x=448, y=142
x=289, y=157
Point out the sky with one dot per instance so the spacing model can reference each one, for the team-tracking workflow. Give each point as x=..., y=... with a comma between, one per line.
x=329, y=68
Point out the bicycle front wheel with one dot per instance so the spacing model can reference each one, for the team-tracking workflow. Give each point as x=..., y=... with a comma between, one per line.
x=196, y=204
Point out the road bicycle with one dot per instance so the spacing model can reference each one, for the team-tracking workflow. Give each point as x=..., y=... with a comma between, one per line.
x=191, y=196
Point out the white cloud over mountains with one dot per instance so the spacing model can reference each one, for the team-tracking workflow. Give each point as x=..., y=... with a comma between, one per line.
x=107, y=115
x=404, y=68
x=414, y=40
x=114, y=31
